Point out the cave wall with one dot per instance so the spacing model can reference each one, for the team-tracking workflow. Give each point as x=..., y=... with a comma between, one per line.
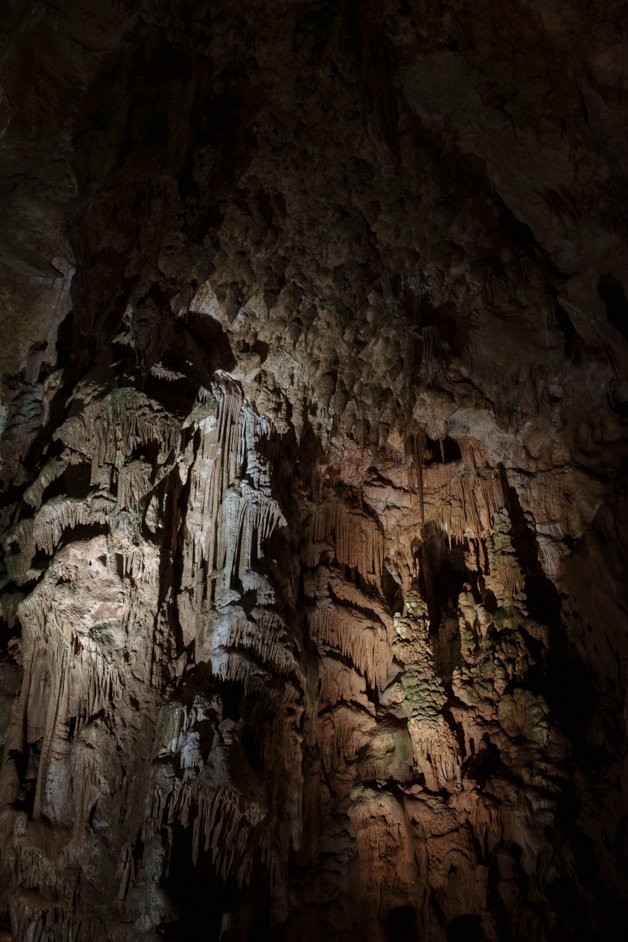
x=314, y=399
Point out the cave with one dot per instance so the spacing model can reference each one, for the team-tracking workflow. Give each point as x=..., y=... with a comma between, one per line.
x=314, y=471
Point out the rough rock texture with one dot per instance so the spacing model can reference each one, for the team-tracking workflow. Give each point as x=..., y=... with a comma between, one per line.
x=315, y=388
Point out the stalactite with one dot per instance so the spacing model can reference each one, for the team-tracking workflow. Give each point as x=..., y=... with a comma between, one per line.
x=107, y=429
x=222, y=822
x=49, y=473
x=357, y=637
x=349, y=594
x=418, y=454
x=470, y=503
x=338, y=683
x=356, y=539
x=48, y=926
x=71, y=676
x=133, y=483
x=429, y=362
x=263, y=635
x=242, y=671
x=229, y=517
x=54, y=520
x=57, y=710
x=257, y=517
x=436, y=752
x=343, y=732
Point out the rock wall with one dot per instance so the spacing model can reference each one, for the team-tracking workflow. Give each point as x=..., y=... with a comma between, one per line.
x=314, y=400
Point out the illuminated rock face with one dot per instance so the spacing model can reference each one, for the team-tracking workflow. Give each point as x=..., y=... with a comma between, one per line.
x=314, y=448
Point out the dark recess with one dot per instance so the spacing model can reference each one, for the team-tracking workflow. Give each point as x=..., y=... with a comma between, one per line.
x=401, y=925
x=612, y=293
x=465, y=929
x=572, y=341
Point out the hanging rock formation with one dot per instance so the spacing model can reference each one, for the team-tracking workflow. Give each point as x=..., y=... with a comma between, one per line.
x=314, y=398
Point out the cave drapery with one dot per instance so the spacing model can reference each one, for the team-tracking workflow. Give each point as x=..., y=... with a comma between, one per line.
x=314, y=374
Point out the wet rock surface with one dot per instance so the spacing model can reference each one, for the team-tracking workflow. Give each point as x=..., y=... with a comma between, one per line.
x=314, y=374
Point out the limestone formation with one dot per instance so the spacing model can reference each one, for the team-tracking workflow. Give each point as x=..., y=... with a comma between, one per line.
x=314, y=374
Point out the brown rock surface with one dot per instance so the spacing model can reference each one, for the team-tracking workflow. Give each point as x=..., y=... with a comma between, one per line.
x=314, y=380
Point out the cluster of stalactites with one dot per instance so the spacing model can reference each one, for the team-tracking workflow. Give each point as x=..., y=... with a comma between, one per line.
x=354, y=538
x=230, y=510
